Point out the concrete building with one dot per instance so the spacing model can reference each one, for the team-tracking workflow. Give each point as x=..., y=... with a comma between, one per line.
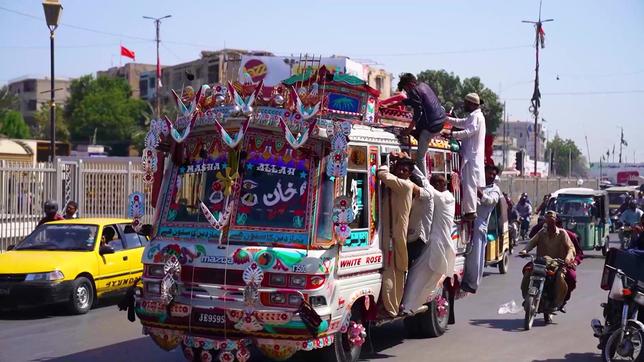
x=130, y=72
x=34, y=91
x=524, y=135
x=213, y=67
x=379, y=79
x=223, y=65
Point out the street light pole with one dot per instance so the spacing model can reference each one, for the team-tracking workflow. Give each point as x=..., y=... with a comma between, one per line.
x=52, y=102
x=536, y=95
x=52, y=10
x=157, y=24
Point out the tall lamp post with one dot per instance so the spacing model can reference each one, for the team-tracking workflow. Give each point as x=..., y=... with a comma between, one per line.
x=52, y=15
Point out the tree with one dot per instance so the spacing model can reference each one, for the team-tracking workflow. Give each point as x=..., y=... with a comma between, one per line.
x=40, y=128
x=13, y=125
x=451, y=91
x=563, y=151
x=105, y=106
x=8, y=100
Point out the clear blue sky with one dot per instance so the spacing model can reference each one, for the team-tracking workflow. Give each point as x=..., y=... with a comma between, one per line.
x=594, y=46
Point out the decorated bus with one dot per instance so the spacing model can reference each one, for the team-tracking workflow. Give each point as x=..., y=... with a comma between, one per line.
x=267, y=233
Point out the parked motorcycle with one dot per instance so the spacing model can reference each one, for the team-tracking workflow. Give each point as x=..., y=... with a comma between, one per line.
x=622, y=336
x=541, y=288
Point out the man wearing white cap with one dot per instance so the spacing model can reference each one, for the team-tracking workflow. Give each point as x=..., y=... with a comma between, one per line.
x=472, y=139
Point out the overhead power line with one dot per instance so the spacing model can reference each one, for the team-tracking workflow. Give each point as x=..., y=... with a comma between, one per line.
x=118, y=35
x=462, y=51
x=582, y=93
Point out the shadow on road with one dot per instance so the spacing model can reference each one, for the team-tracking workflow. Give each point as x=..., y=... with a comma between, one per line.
x=508, y=325
x=50, y=311
x=383, y=338
x=133, y=350
x=574, y=357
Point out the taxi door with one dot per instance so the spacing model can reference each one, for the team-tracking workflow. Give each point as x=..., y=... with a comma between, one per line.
x=113, y=268
x=134, y=245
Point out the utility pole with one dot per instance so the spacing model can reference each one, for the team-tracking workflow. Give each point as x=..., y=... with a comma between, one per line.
x=157, y=24
x=536, y=94
x=505, y=146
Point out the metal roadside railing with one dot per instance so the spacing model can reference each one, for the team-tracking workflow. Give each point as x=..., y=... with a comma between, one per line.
x=100, y=187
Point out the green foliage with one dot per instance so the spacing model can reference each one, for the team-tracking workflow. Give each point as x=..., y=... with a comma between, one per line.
x=40, y=128
x=105, y=105
x=451, y=91
x=13, y=125
x=562, y=152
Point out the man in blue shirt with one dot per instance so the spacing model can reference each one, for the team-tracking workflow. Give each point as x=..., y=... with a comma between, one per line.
x=429, y=115
x=630, y=217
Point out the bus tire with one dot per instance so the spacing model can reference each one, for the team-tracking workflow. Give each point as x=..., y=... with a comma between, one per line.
x=432, y=322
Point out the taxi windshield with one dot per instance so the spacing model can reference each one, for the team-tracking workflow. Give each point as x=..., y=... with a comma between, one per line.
x=60, y=237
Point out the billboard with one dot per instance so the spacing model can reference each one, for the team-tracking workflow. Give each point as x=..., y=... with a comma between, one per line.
x=273, y=69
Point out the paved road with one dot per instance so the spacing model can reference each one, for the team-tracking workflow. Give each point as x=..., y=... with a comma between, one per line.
x=479, y=334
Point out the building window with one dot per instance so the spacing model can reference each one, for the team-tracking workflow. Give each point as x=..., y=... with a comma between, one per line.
x=176, y=80
x=213, y=73
x=143, y=87
x=32, y=105
x=198, y=73
x=379, y=83
x=30, y=86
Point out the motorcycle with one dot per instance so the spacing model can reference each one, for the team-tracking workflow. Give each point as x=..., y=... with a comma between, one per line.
x=625, y=236
x=524, y=227
x=622, y=336
x=513, y=229
x=540, y=296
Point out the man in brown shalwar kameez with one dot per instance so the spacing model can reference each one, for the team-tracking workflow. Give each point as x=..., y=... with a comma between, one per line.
x=397, y=201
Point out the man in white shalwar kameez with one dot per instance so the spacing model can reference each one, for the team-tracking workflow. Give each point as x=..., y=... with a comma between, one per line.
x=475, y=260
x=437, y=259
x=472, y=139
x=420, y=216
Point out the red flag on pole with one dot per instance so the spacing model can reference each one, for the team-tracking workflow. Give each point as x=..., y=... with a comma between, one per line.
x=125, y=52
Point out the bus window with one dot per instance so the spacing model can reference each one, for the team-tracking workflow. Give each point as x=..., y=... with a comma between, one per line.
x=326, y=195
x=356, y=188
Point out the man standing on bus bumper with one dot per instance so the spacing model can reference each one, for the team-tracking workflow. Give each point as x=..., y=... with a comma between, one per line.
x=397, y=199
x=472, y=148
x=475, y=260
x=437, y=259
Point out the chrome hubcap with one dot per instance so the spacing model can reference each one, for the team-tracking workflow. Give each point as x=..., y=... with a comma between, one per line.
x=82, y=294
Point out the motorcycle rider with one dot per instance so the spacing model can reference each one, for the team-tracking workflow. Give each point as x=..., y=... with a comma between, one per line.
x=551, y=241
x=544, y=203
x=630, y=217
x=638, y=243
x=524, y=208
x=51, y=212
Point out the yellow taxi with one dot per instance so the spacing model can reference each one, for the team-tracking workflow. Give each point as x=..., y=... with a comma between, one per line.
x=73, y=262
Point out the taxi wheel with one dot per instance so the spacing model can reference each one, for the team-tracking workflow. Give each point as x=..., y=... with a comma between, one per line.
x=82, y=297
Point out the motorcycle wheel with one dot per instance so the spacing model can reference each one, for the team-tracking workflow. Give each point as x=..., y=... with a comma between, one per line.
x=606, y=246
x=630, y=349
x=530, y=311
